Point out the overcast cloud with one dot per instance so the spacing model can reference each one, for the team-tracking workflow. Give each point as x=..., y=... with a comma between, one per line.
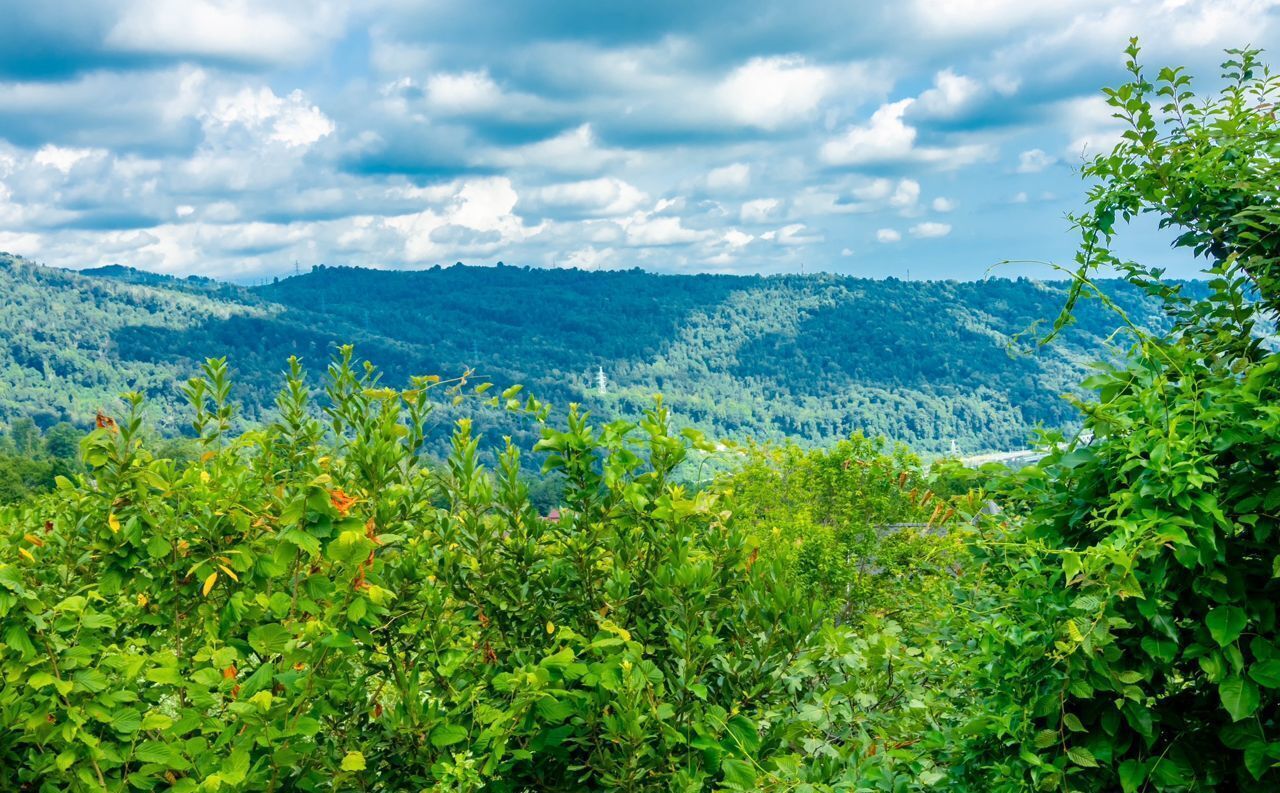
x=234, y=138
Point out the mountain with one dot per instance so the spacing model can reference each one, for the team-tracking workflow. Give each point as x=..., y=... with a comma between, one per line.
x=812, y=357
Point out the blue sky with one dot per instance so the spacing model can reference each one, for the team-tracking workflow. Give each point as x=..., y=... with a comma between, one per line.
x=232, y=138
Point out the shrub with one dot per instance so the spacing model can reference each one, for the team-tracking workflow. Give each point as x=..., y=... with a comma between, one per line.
x=313, y=605
x=1129, y=635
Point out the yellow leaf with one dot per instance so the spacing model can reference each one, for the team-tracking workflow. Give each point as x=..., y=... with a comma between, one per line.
x=616, y=630
x=142, y=600
x=227, y=570
x=209, y=582
x=26, y=553
x=114, y=523
x=33, y=539
x=551, y=627
x=1073, y=630
x=354, y=761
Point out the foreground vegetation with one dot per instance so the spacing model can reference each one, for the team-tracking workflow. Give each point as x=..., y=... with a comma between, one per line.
x=315, y=604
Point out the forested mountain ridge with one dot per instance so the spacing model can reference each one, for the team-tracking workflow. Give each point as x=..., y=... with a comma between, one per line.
x=813, y=357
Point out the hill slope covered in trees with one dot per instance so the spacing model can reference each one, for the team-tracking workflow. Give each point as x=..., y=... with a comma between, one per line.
x=811, y=357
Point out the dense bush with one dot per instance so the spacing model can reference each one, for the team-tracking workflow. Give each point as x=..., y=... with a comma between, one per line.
x=310, y=606
x=1129, y=637
x=858, y=528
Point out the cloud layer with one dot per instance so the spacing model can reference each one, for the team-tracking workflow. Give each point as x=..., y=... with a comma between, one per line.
x=234, y=137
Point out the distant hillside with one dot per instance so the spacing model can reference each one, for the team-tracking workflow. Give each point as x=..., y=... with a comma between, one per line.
x=813, y=357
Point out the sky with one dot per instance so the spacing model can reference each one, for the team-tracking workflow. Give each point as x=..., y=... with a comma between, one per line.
x=241, y=139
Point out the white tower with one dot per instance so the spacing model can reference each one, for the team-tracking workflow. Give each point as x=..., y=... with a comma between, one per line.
x=602, y=382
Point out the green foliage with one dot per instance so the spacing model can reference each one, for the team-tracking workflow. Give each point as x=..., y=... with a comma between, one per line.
x=31, y=460
x=313, y=606
x=857, y=528
x=1130, y=636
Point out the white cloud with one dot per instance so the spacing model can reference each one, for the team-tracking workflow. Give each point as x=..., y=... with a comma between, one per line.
x=883, y=138
x=1019, y=198
x=737, y=239
x=605, y=196
x=888, y=235
x=466, y=92
x=846, y=251
x=930, y=229
x=951, y=93
x=589, y=258
x=1092, y=127
x=772, y=92
x=760, y=210
x=230, y=29
x=64, y=158
x=906, y=194
x=729, y=177
x=886, y=138
x=478, y=219
x=291, y=120
x=576, y=151
x=645, y=230
x=794, y=234
x=1034, y=161
x=943, y=204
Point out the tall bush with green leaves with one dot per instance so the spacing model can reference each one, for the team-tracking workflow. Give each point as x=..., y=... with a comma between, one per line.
x=857, y=526
x=313, y=605
x=1127, y=636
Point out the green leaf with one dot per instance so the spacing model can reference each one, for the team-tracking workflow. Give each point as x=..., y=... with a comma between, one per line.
x=270, y=639
x=1133, y=773
x=1077, y=458
x=127, y=721
x=1266, y=673
x=1045, y=739
x=1082, y=757
x=39, y=680
x=447, y=735
x=1255, y=759
x=1226, y=624
x=738, y=773
x=160, y=754
x=1160, y=648
x=16, y=637
x=349, y=547
x=1239, y=696
x=302, y=539
x=236, y=767
x=354, y=761
x=743, y=737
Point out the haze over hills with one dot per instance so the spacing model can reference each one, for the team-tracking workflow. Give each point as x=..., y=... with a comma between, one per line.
x=810, y=357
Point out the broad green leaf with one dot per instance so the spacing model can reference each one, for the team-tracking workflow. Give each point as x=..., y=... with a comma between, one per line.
x=349, y=547
x=447, y=735
x=1266, y=673
x=269, y=639
x=126, y=720
x=1226, y=623
x=1239, y=696
x=738, y=773
x=39, y=680
x=743, y=737
x=1133, y=773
